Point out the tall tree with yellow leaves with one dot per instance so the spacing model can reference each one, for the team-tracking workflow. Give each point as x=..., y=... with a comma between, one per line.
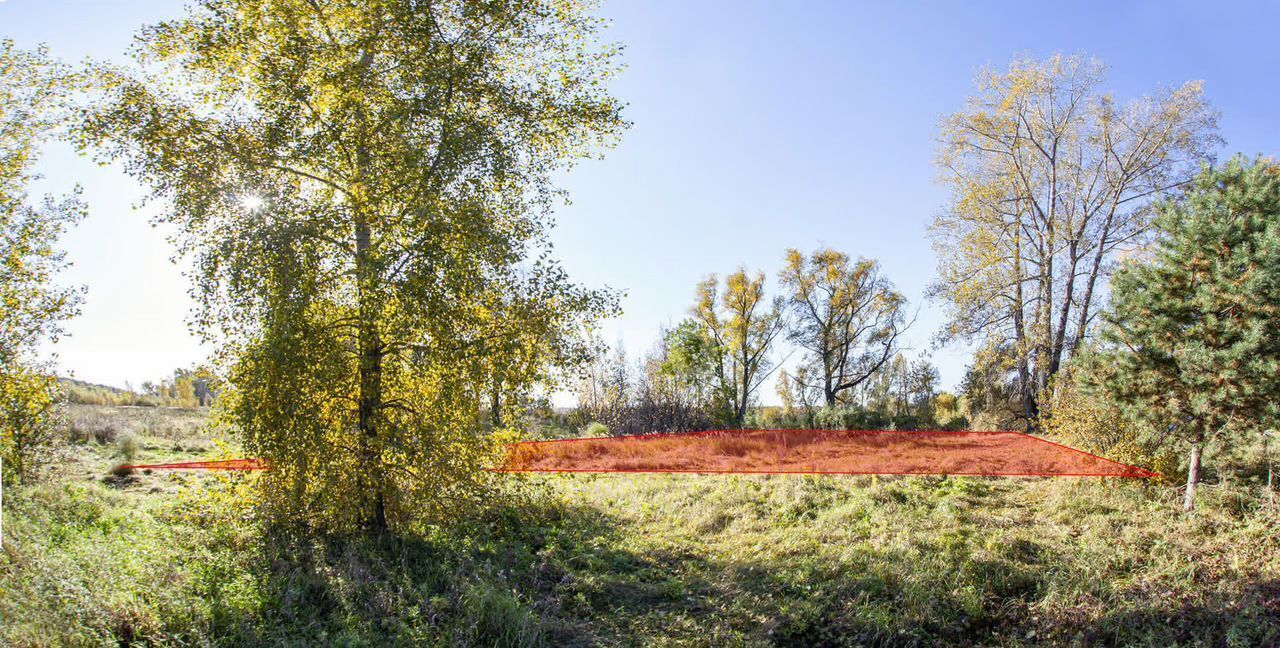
x=1052, y=180
x=741, y=325
x=33, y=98
x=366, y=188
x=845, y=314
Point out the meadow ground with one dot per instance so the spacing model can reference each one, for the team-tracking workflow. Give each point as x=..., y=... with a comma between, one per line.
x=166, y=559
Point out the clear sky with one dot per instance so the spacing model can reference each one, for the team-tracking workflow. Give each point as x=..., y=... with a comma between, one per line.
x=758, y=126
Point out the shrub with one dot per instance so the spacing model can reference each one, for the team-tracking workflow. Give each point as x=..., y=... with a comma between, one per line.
x=1093, y=425
x=78, y=432
x=594, y=429
x=105, y=433
x=128, y=447
x=849, y=417
x=31, y=420
x=828, y=418
x=905, y=422
x=774, y=418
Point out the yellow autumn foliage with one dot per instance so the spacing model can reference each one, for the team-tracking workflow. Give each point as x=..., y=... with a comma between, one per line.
x=1081, y=421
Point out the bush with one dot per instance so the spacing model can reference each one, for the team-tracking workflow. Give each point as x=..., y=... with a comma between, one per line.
x=839, y=417
x=128, y=447
x=905, y=422
x=775, y=418
x=849, y=417
x=31, y=421
x=79, y=433
x=1088, y=423
x=594, y=429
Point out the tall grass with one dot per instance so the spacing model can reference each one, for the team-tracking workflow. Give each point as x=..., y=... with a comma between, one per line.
x=172, y=559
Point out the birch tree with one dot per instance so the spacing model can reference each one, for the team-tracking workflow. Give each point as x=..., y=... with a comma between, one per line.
x=362, y=186
x=33, y=98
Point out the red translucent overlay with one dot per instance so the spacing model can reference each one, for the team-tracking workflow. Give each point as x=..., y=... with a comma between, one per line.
x=816, y=452
x=821, y=452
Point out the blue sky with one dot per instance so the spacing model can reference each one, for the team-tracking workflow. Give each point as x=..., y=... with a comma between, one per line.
x=757, y=126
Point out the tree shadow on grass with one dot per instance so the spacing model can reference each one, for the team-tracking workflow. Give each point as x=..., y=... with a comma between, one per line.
x=876, y=600
x=498, y=580
x=567, y=575
x=1250, y=617
x=690, y=599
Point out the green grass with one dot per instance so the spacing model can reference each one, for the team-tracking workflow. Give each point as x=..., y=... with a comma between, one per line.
x=821, y=561
x=168, y=559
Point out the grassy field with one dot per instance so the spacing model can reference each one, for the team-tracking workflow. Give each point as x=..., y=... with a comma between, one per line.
x=170, y=559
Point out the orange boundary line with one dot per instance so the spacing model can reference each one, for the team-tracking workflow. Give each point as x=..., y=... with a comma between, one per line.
x=1136, y=472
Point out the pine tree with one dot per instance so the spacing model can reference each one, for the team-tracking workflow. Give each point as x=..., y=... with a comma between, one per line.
x=1192, y=338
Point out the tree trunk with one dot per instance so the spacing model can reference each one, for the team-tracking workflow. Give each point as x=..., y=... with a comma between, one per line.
x=1060, y=335
x=1020, y=334
x=370, y=340
x=1094, y=271
x=370, y=379
x=1193, y=477
x=495, y=402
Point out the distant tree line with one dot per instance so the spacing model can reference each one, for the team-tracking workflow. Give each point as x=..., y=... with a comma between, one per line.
x=842, y=314
x=188, y=388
